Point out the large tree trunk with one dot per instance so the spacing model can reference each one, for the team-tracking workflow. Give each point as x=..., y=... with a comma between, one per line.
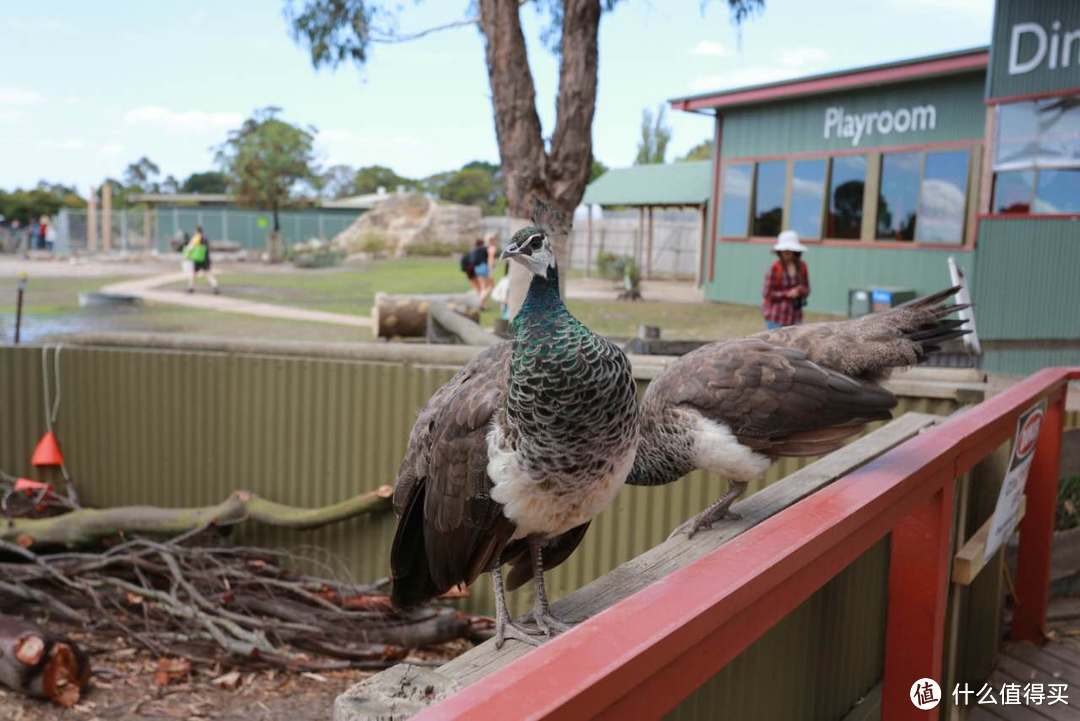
x=559, y=177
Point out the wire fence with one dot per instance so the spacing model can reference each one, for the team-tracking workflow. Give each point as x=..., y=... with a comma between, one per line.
x=145, y=230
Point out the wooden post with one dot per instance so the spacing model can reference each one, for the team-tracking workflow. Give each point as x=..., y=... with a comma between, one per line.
x=1037, y=529
x=147, y=235
x=639, y=238
x=920, y=558
x=588, y=242
x=91, y=220
x=703, y=251
x=649, y=246
x=106, y=217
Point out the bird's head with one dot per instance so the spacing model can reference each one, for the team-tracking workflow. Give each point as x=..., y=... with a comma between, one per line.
x=531, y=247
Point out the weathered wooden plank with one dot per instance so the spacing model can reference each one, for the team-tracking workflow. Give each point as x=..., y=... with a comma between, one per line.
x=1040, y=660
x=868, y=708
x=674, y=553
x=1023, y=673
x=971, y=558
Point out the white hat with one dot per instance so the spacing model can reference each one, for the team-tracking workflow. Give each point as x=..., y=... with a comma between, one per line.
x=789, y=240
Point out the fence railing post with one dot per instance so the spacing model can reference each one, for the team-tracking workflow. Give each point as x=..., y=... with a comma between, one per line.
x=919, y=562
x=1037, y=529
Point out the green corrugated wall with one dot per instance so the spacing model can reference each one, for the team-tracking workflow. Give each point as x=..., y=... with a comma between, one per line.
x=798, y=126
x=186, y=429
x=740, y=272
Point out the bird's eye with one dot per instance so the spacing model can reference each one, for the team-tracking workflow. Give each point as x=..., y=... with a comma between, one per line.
x=537, y=241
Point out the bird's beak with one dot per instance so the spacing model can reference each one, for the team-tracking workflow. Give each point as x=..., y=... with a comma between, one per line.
x=510, y=251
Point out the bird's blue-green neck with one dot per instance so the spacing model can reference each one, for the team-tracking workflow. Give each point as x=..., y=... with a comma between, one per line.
x=542, y=300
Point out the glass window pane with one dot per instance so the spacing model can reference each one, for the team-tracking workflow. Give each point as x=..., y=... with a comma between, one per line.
x=899, y=196
x=807, y=197
x=943, y=198
x=1017, y=136
x=1059, y=132
x=1058, y=191
x=1013, y=191
x=769, y=198
x=735, y=208
x=846, y=197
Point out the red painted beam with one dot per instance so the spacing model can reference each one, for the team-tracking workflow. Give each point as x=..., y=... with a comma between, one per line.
x=920, y=555
x=835, y=83
x=650, y=650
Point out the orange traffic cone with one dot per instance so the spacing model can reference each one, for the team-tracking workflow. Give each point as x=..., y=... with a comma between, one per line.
x=48, y=452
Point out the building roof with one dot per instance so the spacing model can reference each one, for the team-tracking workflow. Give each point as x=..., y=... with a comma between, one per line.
x=953, y=63
x=685, y=183
x=181, y=198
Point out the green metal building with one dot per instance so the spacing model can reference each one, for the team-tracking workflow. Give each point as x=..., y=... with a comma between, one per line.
x=887, y=171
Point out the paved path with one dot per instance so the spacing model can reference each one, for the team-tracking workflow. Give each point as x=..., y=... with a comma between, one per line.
x=148, y=289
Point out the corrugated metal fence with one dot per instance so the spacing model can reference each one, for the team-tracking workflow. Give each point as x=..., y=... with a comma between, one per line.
x=186, y=428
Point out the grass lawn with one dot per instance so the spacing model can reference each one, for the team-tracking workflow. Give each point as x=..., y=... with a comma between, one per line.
x=51, y=305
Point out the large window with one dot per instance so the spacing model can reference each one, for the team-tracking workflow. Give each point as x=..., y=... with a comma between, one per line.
x=1037, y=158
x=735, y=207
x=807, y=197
x=846, y=197
x=899, y=196
x=769, y=198
x=943, y=198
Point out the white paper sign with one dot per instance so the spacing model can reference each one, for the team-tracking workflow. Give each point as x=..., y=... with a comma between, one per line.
x=1007, y=512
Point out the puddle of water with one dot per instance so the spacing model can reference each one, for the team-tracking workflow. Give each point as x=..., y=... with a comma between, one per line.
x=36, y=327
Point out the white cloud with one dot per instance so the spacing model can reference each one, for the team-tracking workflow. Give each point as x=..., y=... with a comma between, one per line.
x=182, y=121
x=19, y=96
x=11, y=116
x=111, y=149
x=340, y=145
x=802, y=57
x=63, y=144
x=711, y=48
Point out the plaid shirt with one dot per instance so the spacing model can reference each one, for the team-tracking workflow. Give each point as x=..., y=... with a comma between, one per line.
x=776, y=306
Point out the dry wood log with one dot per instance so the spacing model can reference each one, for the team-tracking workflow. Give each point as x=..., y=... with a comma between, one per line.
x=447, y=326
x=87, y=525
x=38, y=664
x=405, y=316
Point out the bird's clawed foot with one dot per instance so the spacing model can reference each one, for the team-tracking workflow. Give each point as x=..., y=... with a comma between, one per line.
x=509, y=629
x=719, y=510
x=549, y=625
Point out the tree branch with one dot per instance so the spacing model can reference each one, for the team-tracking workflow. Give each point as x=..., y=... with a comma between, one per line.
x=87, y=525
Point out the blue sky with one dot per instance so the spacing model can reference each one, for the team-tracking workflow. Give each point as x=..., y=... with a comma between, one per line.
x=86, y=88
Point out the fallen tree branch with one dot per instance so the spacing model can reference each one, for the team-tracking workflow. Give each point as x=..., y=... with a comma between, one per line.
x=36, y=663
x=88, y=525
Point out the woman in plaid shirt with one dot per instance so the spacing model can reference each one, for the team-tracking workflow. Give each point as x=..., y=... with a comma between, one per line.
x=787, y=283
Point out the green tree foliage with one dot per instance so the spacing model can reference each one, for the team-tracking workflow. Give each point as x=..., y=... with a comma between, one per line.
x=210, y=181
x=265, y=158
x=47, y=198
x=655, y=136
x=336, y=181
x=142, y=176
x=596, y=170
x=701, y=151
x=372, y=177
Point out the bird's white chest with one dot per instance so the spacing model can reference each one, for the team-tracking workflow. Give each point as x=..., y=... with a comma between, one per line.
x=551, y=505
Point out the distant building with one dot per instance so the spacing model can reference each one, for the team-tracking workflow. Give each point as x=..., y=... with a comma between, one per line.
x=886, y=171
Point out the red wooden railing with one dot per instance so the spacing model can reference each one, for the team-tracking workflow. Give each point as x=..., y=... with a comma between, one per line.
x=645, y=654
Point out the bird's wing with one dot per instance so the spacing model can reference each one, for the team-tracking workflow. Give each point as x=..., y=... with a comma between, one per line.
x=870, y=346
x=773, y=399
x=450, y=530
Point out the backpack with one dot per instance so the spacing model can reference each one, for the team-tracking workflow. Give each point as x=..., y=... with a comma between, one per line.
x=466, y=262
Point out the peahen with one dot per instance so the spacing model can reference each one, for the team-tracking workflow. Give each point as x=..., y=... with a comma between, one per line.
x=733, y=406
x=508, y=462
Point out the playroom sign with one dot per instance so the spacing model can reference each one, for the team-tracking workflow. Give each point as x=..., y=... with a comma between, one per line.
x=858, y=126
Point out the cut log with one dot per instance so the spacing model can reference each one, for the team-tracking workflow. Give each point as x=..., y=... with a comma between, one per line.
x=444, y=325
x=87, y=525
x=41, y=665
x=405, y=316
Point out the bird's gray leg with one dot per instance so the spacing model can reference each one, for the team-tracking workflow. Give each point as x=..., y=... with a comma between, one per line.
x=716, y=511
x=547, y=623
x=504, y=627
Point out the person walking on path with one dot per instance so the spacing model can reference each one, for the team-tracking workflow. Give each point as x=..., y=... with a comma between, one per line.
x=787, y=283
x=197, y=253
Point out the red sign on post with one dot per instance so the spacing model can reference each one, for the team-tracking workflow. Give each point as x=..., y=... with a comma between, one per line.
x=1007, y=512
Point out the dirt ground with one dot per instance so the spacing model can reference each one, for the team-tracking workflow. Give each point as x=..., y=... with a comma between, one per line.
x=127, y=686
